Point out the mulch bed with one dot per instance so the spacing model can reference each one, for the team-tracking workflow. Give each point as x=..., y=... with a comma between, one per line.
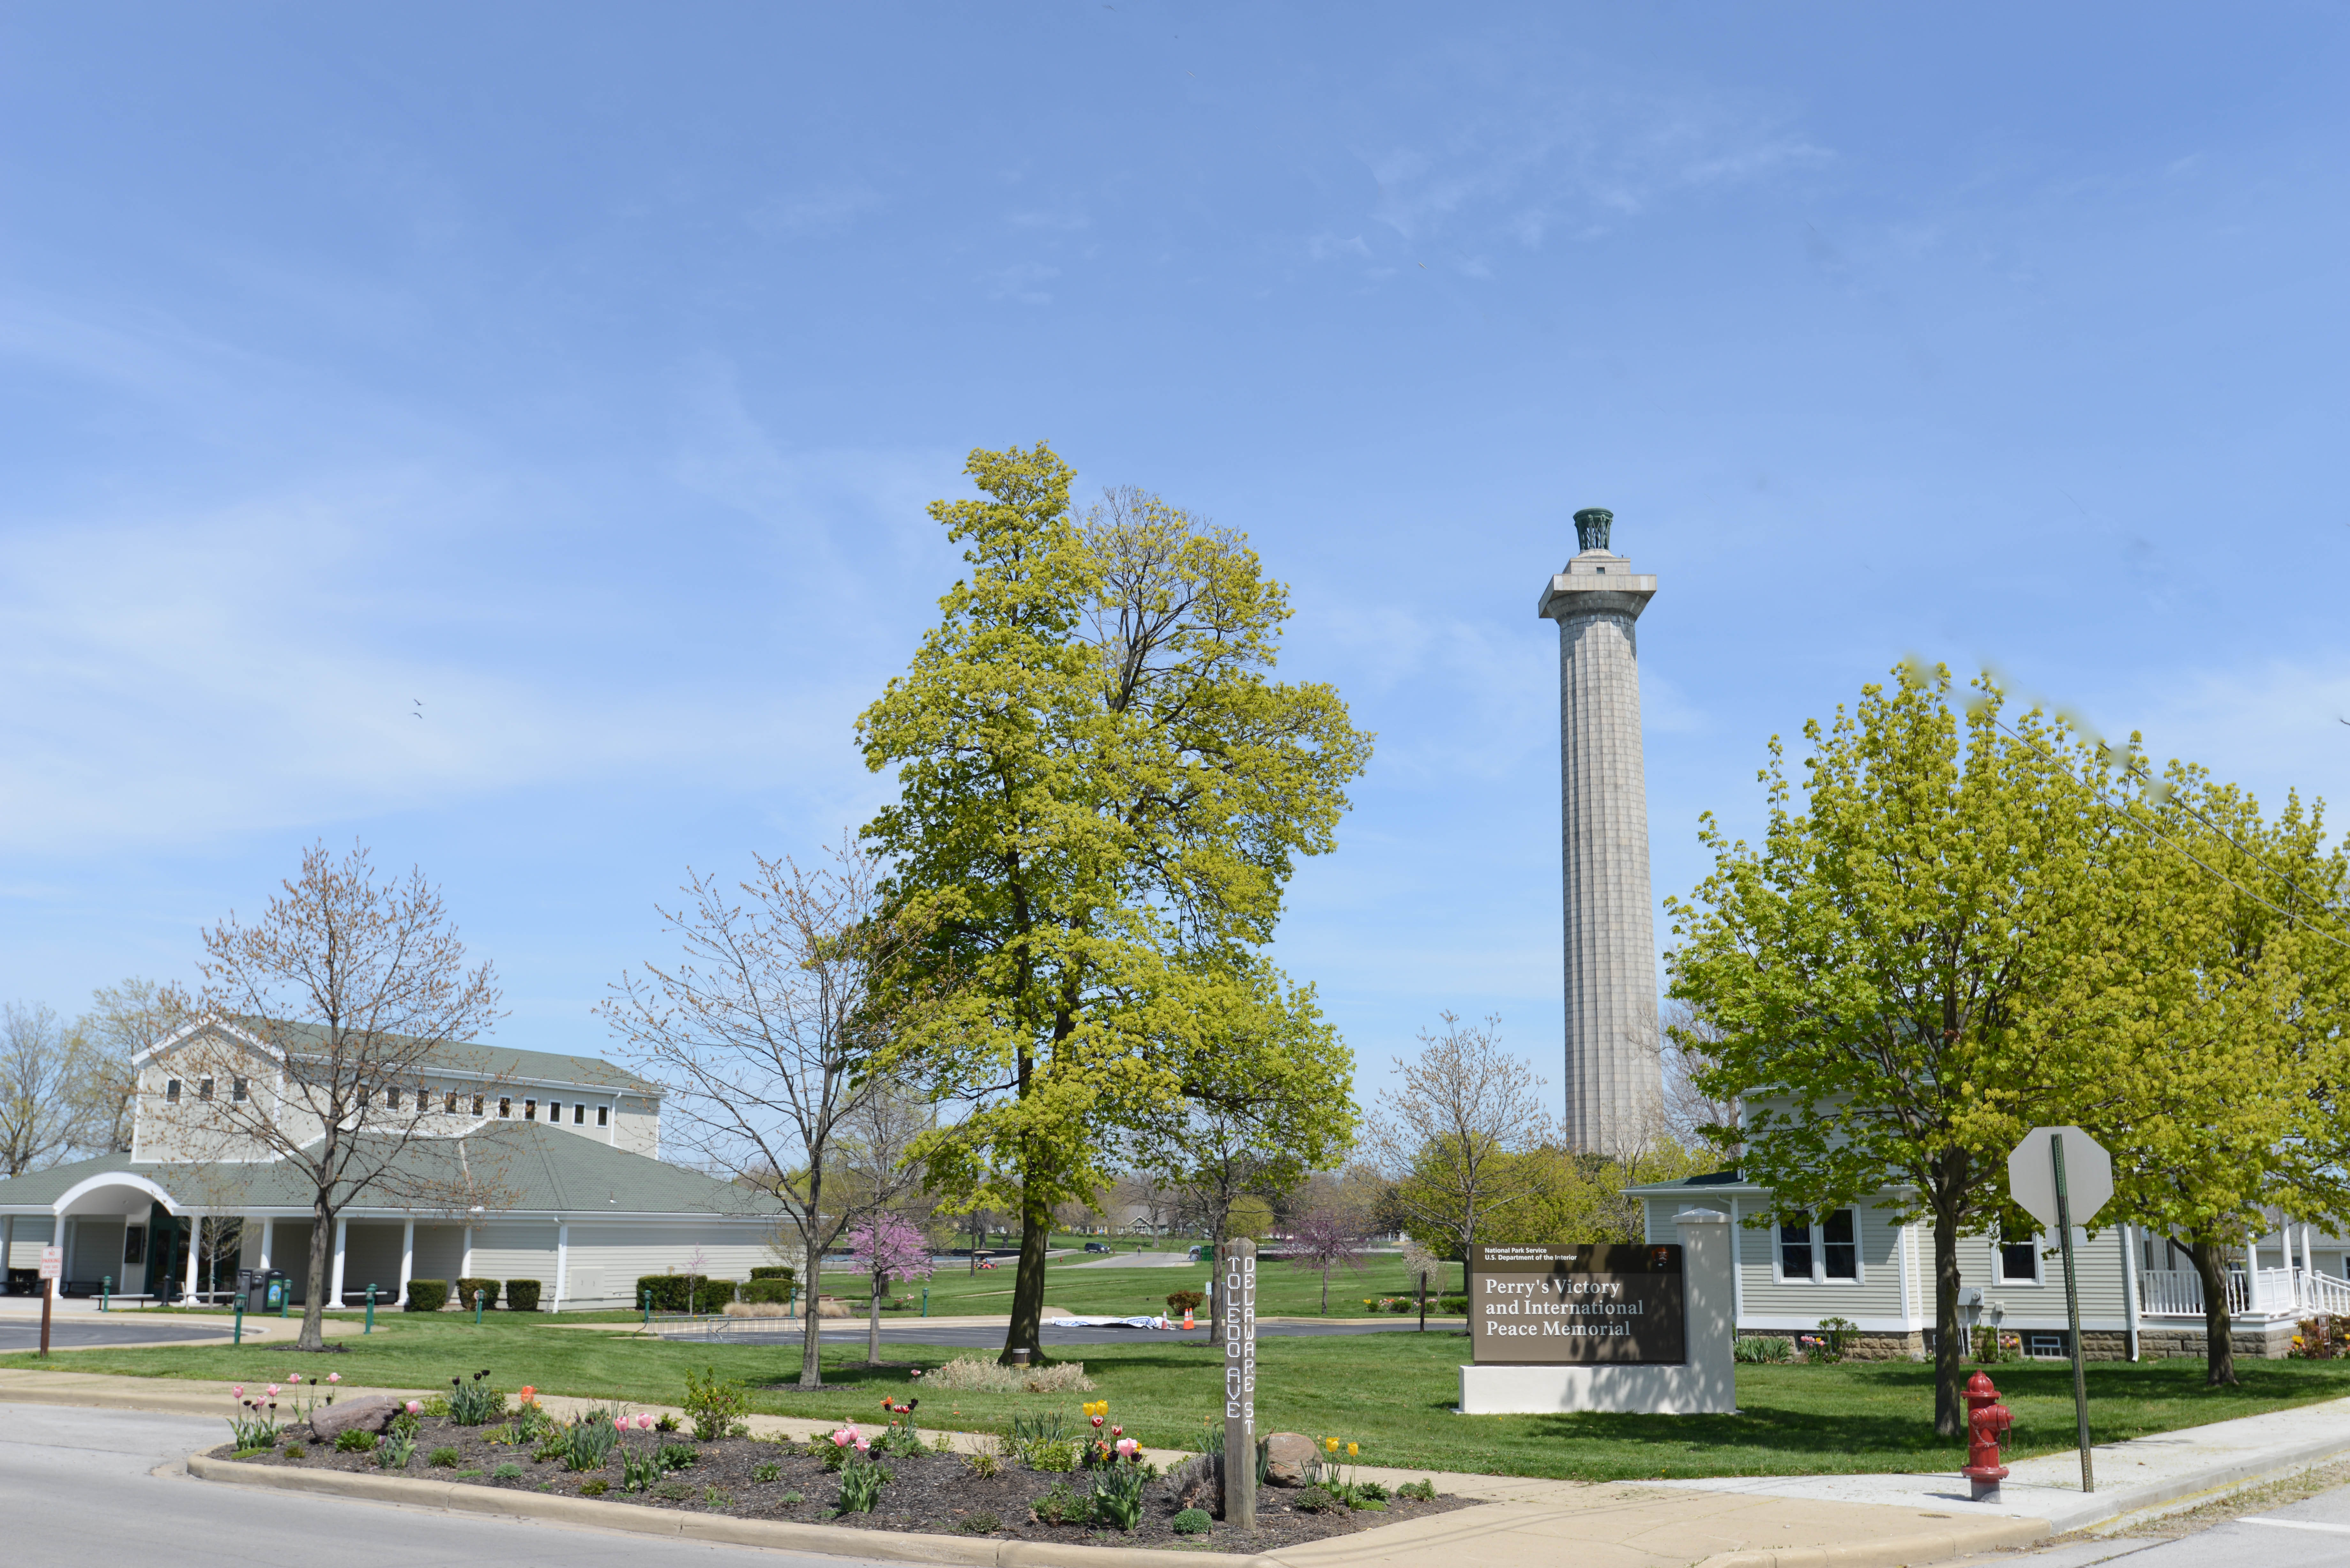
x=930, y=1492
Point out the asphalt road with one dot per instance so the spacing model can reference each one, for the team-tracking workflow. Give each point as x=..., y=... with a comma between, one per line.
x=905, y=1333
x=77, y=1487
x=82, y=1333
x=2314, y=1533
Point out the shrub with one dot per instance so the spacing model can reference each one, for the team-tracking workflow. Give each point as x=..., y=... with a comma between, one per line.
x=443, y=1459
x=1452, y=1307
x=767, y=1473
x=774, y=1271
x=712, y=1498
x=793, y=1499
x=597, y=1487
x=427, y=1295
x=293, y=1451
x=685, y=1292
x=1051, y=1454
x=766, y=1293
x=978, y=1375
x=522, y=1295
x=1313, y=1500
x=508, y=1471
x=980, y=1523
x=487, y=1288
x=1761, y=1348
x=355, y=1441
x=675, y=1456
x=676, y=1492
x=1371, y=1489
x=1186, y=1301
x=1417, y=1491
x=982, y=1465
x=715, y=1404
x=1192, y=1522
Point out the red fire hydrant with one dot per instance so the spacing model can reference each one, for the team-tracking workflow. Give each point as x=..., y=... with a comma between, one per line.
x=1987, y=1421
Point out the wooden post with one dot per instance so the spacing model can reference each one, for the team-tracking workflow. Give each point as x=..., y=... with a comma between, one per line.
x=1236, y=1316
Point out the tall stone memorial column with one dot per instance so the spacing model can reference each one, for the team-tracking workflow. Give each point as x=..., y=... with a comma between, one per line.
x=1614, y=1084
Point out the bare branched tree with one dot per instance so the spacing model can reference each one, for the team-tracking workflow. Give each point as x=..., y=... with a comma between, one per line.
x=1323, y=1238
x=763, y=1033
x=1450, y=1135
x=320, y=1041
x=1689, y=1111
x=122, y=1021
x=39, y=1067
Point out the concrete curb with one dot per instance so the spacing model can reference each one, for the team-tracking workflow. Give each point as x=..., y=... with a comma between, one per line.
x=2193, y=1492
x=1892, y=1550
x=888, y=1545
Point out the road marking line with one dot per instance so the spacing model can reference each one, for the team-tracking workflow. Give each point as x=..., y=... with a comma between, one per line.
x=2296, y=1524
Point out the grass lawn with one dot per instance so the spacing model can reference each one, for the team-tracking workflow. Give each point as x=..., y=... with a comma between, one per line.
x=1282, y=1291
x=1392, y=1393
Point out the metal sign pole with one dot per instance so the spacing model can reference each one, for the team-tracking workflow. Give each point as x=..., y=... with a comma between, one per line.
x=2071, y=1308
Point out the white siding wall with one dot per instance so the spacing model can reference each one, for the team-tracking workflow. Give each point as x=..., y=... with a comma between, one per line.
x=607, y=1258
x=636, y=1126
x=519, y=1250
x=440, y=1254
x=371, y=1257
x=34, y=1231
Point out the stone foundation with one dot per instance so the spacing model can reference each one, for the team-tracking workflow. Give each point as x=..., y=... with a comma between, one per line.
x=2253, y=1342
x=1857, y=1347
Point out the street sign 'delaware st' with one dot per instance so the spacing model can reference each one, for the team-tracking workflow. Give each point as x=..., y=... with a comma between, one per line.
x=2089, y=1176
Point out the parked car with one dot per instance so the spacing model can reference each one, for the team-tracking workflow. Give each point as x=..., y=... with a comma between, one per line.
x=1096, y=1246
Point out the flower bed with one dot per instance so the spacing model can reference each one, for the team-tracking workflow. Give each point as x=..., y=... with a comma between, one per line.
x=1040, y=1484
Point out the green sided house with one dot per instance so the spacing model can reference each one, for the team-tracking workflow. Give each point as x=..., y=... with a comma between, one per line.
x=561, y=1154
x=2140, y=1297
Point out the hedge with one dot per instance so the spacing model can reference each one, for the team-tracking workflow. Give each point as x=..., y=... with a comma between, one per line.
x=773, y=1272
x=669, y=1292
x=522, y=1295
x=427, y=1295
x=766, y=1290
x=465, y=1289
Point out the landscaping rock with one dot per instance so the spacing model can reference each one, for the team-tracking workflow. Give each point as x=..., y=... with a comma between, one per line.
x=331, y=1421
x=1288, y=1455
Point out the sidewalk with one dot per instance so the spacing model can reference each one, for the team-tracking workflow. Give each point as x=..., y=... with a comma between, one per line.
x=2143, y=1476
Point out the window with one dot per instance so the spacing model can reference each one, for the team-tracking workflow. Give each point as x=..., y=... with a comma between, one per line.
x=134, y=1244
x=603, y=1116
x=1839, y=1247
x=391, y=1099
x=204, y=1088
x=477, y=1105
x=2019, y=1262
x=172, y=1093
x=238, y=1091
x=505, y=1106
x=1795, y=1247
x=530, y=1110
x=554, y=1110
x=449, y=1103
x=2043, y=1345
x=578, y=1115
x=1819, y=1248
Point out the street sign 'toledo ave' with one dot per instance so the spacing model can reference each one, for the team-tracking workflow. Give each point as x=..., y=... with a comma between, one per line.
x=2089, y=1176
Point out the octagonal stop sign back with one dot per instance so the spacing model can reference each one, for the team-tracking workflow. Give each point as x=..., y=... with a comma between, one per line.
x=2089, y=1176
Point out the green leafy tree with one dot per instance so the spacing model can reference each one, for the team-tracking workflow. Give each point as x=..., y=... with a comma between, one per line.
x=1102, y=794
x=2217, y=1073
x=1868, y=971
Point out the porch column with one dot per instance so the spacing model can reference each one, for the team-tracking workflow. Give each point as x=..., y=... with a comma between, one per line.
x=268, y=1242
x=342, y=1236
x=562, y=1261
x=465, y=1265
x=407, y=1260
x=2129, y=1287
x=7, y=1246
x=195, y=1252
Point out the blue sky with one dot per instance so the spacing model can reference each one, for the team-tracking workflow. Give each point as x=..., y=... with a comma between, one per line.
x=582, y=372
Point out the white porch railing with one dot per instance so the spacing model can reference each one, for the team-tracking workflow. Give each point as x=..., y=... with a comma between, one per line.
x=2265, y=1292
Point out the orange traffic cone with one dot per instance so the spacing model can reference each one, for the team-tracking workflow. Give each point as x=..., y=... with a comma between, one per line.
x=1187, y=1325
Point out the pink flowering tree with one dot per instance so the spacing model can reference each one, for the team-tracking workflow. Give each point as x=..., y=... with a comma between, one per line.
x=886, y=1247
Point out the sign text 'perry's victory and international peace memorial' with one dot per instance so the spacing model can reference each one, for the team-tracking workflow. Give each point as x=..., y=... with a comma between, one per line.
x=1604, y=1303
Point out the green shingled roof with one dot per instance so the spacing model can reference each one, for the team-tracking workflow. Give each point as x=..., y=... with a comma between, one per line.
x=528, y=1168
x=491, y=1061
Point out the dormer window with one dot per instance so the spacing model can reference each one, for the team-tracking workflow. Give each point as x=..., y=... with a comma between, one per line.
x=237, y=1091
x=477, y=1105
x=530, y=1110
x=172, y=1093
x=391, y=1099
x=555, y=1111
x=579, y=1115
x=204, y=1088
x=603, y=1116
x=505, y=1106
x=449, y=1103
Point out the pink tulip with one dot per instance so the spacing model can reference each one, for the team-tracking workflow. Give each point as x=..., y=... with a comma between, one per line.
x=1128, y=1447
x=619, y=1423
x=644, y=1423
x=273, y=1390
x=334, y=1378
x=415, y=1408
x=237, y=1390
x=294, y=1377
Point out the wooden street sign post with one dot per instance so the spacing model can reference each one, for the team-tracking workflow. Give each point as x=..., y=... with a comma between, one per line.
x=1236, y=1315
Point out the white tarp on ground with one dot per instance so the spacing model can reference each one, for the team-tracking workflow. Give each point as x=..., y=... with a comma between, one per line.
x=1113, y=1322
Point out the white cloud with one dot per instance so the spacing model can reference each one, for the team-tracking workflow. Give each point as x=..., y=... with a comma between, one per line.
x=1024, y=282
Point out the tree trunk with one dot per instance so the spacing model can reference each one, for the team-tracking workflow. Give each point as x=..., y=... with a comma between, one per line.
x=873, y=1323
x=1325, y=1290
x=314, y=1310
x=1949, y=1355
x=1028, y=1287
x=2219, y=1331
x=811, y=1346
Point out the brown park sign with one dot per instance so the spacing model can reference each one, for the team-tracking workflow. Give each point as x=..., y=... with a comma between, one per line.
x=1603, y=1304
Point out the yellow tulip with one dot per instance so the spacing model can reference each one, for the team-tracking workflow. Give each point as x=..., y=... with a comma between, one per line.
x=1331, y=1443
x=1354, y=1450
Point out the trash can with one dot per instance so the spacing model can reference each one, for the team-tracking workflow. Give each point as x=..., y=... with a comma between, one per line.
x=249, y=1289
x=273, y=1292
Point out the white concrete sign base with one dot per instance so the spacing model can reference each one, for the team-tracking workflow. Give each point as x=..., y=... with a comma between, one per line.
x=1705, y=1385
